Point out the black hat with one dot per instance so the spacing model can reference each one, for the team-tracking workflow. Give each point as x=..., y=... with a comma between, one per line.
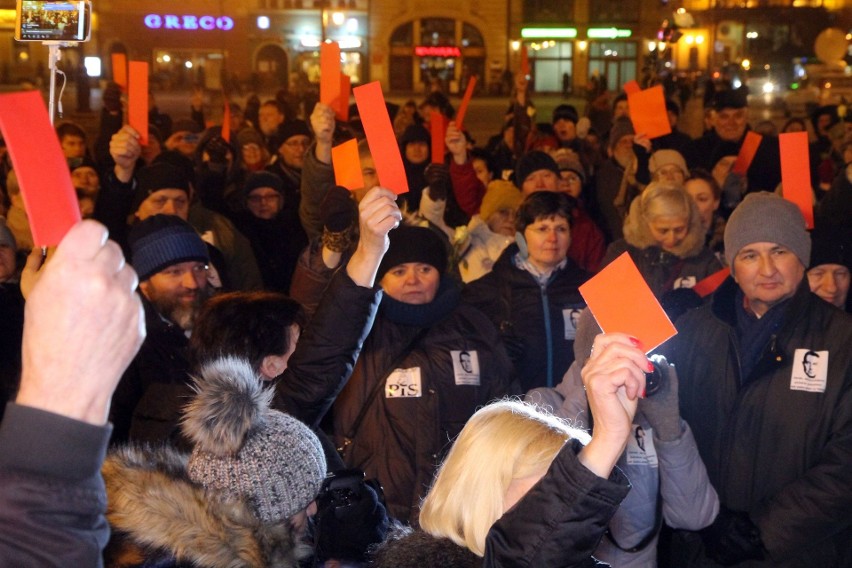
x=264, y=179
x=565, y=112
x=831, y=245
x=532, y=162
x=84, y=162
x=157, y=176
x=161, y=241
x=415, y=133
x=414, y=244
x=287, y=130
x=830, y=110
x=731, y=98
x=673, y=107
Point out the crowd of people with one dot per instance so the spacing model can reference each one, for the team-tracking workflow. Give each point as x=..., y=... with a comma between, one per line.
x=288, y=373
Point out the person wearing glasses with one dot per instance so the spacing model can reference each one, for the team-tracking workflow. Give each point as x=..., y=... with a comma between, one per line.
x=291, y=142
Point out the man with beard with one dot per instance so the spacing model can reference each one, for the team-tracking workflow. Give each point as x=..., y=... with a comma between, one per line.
x=172, y=263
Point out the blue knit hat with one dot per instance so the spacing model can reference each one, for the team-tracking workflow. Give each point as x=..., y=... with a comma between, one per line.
x=161, y=241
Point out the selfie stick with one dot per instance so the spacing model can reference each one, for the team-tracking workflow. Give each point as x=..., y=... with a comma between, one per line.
x=54, y=55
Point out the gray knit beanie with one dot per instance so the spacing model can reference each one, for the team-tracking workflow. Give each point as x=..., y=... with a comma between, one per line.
x=764, y=217
x=245, y=450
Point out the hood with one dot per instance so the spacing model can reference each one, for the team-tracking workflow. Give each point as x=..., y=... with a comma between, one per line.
x=155, y=511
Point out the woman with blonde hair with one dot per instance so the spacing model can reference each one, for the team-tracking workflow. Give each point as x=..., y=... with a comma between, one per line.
x=520, y=488
x=665, y=238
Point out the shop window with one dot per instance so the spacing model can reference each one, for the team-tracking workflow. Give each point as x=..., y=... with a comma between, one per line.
x=614, y=10
x=403, y=36
x=548, y=11
x=550, y=65
x=471, y=36
x=613, y=61
x=437, y=31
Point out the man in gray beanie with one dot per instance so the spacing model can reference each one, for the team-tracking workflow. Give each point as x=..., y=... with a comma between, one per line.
x=766, y=386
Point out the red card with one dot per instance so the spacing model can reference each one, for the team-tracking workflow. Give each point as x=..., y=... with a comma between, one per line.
x=342, y=113
x=330, y=74
x=795, y=173
x=468, y=94
x=439, y=135
x=525, y=61
x=380, y=137
x=621, y=301
x=747, y=152
x=631, y=87
x=40, y=166
x=226, y=120
x=137, y=100
x=119, y=70
x=648, y=112
x=707, y=286
x=347, y=165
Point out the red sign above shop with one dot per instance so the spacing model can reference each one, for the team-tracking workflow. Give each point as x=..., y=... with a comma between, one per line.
x=436, y=51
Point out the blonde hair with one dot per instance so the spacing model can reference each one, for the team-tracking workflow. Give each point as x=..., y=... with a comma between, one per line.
x=501, y=442
x=664, y=201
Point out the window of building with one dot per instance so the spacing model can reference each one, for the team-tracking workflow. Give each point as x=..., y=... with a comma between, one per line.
x=548, y=11
x=471, y=36
x=613, y=60
x=403, y=36
x=614, y=10
x=437, y=31
x=550, y=64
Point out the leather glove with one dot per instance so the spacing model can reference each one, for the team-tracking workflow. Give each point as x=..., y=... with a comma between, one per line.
x=338, y=211
x=661, y=407
x=733, y=538
x=438, y=178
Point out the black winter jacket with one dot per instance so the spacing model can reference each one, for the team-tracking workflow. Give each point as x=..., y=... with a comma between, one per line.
x=535, y=322
x=780, y=447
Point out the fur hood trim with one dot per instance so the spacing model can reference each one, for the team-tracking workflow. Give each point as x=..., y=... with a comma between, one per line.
x=153, y=507
x=638, y=233
x=229, y=402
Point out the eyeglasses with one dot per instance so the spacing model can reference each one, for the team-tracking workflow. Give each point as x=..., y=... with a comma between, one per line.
x=258, y=199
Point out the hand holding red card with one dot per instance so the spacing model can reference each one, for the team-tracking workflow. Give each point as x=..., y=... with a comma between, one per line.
x=622, y=302
x=40, y=166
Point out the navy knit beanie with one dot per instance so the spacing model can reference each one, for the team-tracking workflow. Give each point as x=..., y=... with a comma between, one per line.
x=161, y=241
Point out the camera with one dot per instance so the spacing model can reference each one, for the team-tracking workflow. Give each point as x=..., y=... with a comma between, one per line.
x=53, y=20
x=344, y=488
x=656, y=379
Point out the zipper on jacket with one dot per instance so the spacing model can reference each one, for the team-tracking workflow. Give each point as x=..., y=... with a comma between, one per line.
x=545, y=304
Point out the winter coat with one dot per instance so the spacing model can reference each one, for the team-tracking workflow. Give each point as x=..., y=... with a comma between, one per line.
x=52, y=499
x=664, y=271
x=764, y=173
x=424, y=396
x=536, y=322
x=780, y=447
x=481, y=251
x=147, y=402
x=159, y=516
x=668, y=480
x=557, y=524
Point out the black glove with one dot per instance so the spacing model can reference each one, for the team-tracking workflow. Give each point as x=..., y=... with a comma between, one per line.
x=217, y=148
x=733, y=538
x=438, y=178
x=338, y=211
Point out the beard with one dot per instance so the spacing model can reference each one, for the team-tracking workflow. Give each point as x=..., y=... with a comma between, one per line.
x=180, y=313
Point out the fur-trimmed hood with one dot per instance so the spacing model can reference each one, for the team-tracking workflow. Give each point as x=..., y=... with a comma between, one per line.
x=638, y=233
x=156, y=512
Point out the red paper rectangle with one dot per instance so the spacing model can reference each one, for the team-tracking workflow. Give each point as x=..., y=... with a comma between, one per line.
x=439, y=133
x=119, y=70
x=347, y=165
x=708, y=285
x=330, y=74
x=468, y=94
x=631, y=87
x=41, y=168
x=795, y=173
x=621, y=301
x=226, y=120
x=137, y=100
x=525, y=61
x=747, y=152
x=380, y=137
x=648, y=112
x=342, y=113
